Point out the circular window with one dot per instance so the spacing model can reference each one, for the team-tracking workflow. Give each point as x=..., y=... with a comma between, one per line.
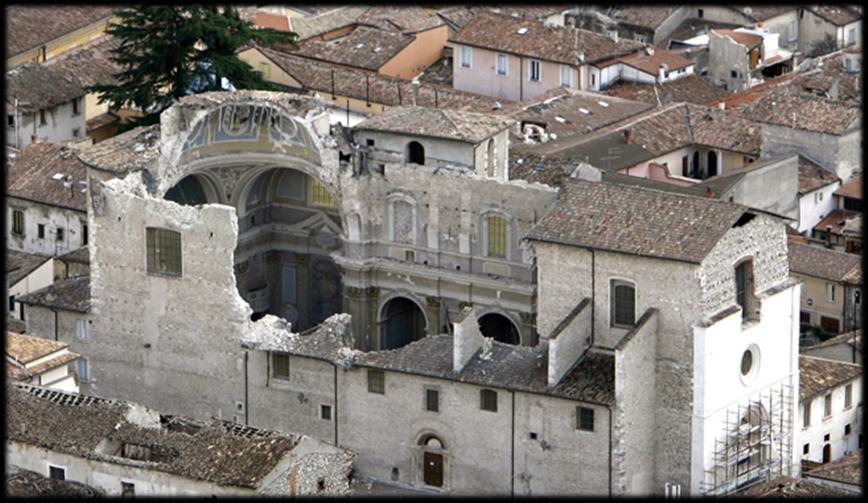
x=750, y=361
x=746, y=362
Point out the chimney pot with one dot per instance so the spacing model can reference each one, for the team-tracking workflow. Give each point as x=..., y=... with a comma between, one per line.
x=626, y=136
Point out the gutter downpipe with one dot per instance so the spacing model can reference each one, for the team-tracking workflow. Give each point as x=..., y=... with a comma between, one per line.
x=246, y=390
x=610, y=450
x=512, y=451
x=336, y=404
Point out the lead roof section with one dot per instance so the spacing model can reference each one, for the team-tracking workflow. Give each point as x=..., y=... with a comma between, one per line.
x=637, y=221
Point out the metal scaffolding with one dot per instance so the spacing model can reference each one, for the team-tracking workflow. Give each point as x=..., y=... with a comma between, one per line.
x=757, y=443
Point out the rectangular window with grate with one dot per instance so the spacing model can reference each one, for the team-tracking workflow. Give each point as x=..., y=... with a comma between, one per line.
x=325, y=412
x=488, y=400
x=280, y=366
x=623, y=304
x=432, y=400
x=502, y=66
x=496, y=236
x=534, y=70
x=164, y=251
x=376, y=382
x=83, y=234
x=848, y=396
x=56, y=472
x=584, y=419
x=320, y=195
x=806, y=419
x=18, y=222
x=61, y=233
x=827, y=406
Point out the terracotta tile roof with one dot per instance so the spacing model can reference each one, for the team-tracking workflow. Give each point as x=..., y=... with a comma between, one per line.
x=26, y=348
x=20, y=264
x=836, y=221
x=763, y=12
x=818, y=375
x=89, y=63
x=838, y=15
x=68, y=294
x=38, y=86
x=821, y=262
x=318, y=24
x=218, y=452
x=788, y=107
x=747, y=39
x=24, y=483
x=32, y=26
x=404, y=19
x=854, y=338
x=551, y=43
x=130, y=150
x=382, y=89
x=102, y=120
x=650, y=16
x=364, y=47
x=649, y=63
x=438, y=73
x=31, y=176
x=853, y=187
x=268, y=20
x=79, y=256
x=53, y=363
x=519, y=368
x=579, y=112
x=785, y=487
x=450, y=124
x=459, y=15
x=813, y=177
x=636, y=221
x=689, y=89
x=15, y=325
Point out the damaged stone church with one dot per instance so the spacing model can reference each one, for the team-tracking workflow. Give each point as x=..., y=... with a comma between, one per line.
x=390, y=289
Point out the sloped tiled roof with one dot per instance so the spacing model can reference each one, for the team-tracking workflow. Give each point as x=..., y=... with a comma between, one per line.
x=403, y=19
x=311, y=26
x=550, y=43
x=38, y=86
x=450, y=124
x=382, y=89
x=650, y=63
x=747, y=39
x=650, y=16
x=813, y=177
x=363, y=47
x=130, y=150
x=31, y=175
x=689, y=89
x=821, y=262
x=854, y=337
x=835, y=14
x=31, y=26
x=89, y=63
x=20, y=264
x=788, y=107
x=68, y=294
x=27, y=484
x=210, y=451
x=636, y=221
x=763, y=12
x=852, y=188
x=817, y=375
x=27, y=348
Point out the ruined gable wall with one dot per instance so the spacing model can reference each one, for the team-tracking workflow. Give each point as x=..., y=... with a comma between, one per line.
x=192, y=323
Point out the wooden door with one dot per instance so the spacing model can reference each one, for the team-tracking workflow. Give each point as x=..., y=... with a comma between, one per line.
x=433, y=469
x=830, y=324
x=827, y=453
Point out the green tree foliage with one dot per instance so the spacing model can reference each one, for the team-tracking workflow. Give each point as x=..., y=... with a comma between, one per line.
x=167, y=52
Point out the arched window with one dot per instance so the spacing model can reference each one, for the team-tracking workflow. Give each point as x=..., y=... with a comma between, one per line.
x=415, y=153
x=623, y=300
x=492, y=162
x=712, y=163
x=188, y=191
x=401, y=323
x=499, y=328
x=254, y=195
x=291, y=184
x=497, y=236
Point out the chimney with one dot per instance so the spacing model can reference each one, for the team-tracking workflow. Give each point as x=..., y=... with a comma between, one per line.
x=649, y=50
x=627, y=136
x=722, y=105
x=416, y=84
x=467, y=338
x=709, y=193
x=661, y=72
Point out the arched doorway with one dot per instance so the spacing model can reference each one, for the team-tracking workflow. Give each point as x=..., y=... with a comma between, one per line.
x=694, y=170
x=827, y=453
x=433, y=460
x=415, y=153
x=499, y=328
x=401, y=322
x=712, y=163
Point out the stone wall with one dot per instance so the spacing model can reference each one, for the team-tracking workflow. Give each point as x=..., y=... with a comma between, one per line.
x=839, y=154
x=634, y=428
x=53, y=218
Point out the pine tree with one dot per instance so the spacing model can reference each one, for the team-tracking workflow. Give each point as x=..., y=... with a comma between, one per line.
x=168, y=52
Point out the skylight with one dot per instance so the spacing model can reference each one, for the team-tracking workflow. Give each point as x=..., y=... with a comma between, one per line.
x=522, y=30
x=603, y=103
